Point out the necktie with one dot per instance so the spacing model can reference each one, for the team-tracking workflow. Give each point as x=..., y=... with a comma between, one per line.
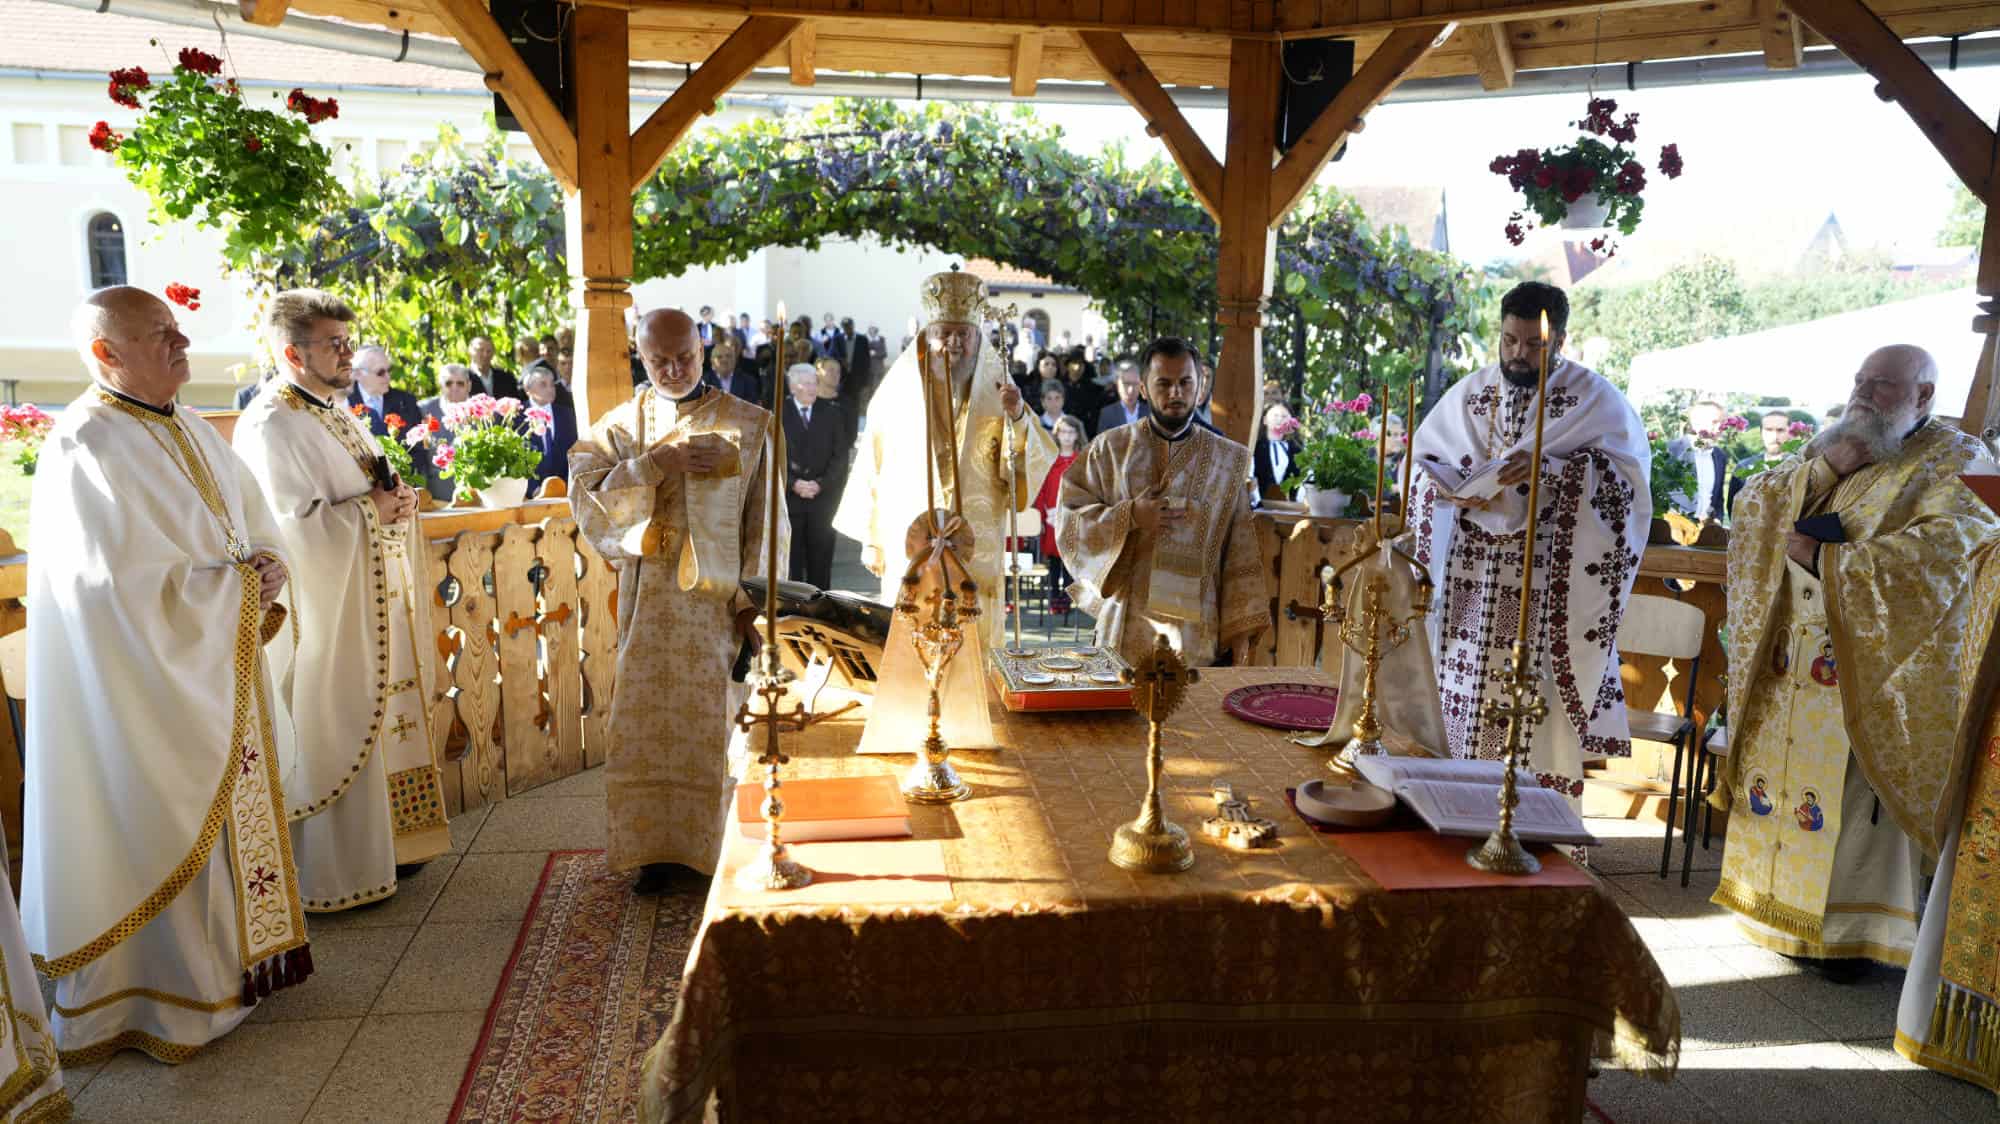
x=806, y=418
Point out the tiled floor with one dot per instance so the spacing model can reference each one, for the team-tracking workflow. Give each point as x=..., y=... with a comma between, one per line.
x=383, y=1031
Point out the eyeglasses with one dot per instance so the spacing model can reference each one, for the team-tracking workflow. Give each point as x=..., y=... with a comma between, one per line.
x=342, y=345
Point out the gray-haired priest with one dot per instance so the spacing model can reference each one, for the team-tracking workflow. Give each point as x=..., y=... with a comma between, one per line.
x=669, y=488
x=157, y=884
x=1154, y=521
x=363, y=785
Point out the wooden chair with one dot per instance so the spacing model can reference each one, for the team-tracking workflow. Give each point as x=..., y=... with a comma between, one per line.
x=1669, y=629
x=14, y=679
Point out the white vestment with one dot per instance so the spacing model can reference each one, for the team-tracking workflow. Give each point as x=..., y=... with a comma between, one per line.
x=356, y=675
x=886, y=494
x=31, y=1082
x=1596, y=508
x=158, y=886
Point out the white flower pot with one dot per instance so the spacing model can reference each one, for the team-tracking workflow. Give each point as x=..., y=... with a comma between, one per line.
x=508, y=491
x=1324, y=504
x=1587, y=213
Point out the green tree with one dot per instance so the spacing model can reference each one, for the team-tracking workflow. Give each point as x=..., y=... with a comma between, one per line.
x=1965, y=222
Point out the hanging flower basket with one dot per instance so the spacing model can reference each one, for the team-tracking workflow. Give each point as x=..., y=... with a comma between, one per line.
x=1587, y=184
x=200, y=152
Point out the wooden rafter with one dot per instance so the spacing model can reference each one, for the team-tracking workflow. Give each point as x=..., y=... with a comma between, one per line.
x=1492, y=53
x=1958, y=134
x=263, y=13
x=1127, y=73
x=1390, y=63
x=473, y=26
x=739, y=54
x=1784, y=38
x=804, y=55
x=1026, y=68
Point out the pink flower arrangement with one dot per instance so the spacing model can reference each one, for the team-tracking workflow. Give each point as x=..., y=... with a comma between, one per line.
x=487, y=443
x=1361, y=403
x=1283, y=429
x=1734, y=424
x=540, y=418
x=1800, y=429
x=442, y=456
x=1364, y=435
x=480, y=409
x=27, y=425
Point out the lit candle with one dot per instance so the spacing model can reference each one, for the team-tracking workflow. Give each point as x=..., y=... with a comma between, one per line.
x=1409, y=446
x=1535, y=483
x=1381, y=461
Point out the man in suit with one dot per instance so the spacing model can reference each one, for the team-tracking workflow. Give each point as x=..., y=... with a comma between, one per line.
x=487, y=378
x=1273, y=456
x=1701, y=448
x=857, y=375
x=1130, y=406
x=372, y=391
x=728, y=371
x=816, y=465
x=554, y=440
x=454, y=385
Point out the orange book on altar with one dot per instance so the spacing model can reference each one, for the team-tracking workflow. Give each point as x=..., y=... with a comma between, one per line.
x=1985, y=487
x=829, y=808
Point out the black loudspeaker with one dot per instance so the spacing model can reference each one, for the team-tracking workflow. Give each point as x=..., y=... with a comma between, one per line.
x=1315, y=71
x=539, y=31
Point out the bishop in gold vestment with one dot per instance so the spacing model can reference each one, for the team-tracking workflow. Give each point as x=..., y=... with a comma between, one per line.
x=1154, y=521
x=1848, y=591
x=669, y=488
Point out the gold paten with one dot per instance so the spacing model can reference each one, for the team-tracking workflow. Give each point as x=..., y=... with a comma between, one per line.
x=1232, y=825
x=1151, y=843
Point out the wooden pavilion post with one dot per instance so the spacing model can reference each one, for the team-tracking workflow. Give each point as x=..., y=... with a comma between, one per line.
x=1248, y=244
x=598, y=214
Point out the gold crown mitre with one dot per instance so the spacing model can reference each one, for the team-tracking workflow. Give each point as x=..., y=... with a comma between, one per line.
x=955, y=297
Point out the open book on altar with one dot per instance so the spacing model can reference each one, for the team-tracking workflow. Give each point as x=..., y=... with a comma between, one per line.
x=1480, y=483
x=1459, y=797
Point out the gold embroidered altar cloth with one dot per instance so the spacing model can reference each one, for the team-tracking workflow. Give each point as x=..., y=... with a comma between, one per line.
x=1054, y=985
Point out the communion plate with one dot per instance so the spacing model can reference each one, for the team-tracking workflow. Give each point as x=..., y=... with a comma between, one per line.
x=1284, y=706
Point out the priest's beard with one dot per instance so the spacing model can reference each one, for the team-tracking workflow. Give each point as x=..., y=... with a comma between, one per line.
x=1520, y=372
x=1881, y=433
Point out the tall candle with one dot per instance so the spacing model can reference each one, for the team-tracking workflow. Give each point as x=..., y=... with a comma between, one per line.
x=775, y=469
x=1409, y=446
x=930, y=449
x=1381, y=461
x=1535, y=483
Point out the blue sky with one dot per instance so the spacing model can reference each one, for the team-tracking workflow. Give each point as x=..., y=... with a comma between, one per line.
x=1752, y=149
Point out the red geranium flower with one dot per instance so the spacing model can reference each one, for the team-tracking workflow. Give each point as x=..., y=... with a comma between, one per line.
x=252, y=144
x=1631, y=178
x=431, y=425
x=103, y=139
x=126, y=80
x=183, y=295
x=359, y=410
x=393, y=422
x=1670, y=161
x=198, y=61
x=313, y=109
x=1515, y=234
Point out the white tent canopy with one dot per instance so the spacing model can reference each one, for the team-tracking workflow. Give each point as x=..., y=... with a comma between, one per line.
x=1813, y=364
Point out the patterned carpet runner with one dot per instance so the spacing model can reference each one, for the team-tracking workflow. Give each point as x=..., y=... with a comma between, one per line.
x=589, y=988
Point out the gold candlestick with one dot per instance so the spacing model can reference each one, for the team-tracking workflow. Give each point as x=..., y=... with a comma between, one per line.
x=1009, y=458
x=773, y=868
x=1152, y=843
x=1367, y=739
x=1502, y=852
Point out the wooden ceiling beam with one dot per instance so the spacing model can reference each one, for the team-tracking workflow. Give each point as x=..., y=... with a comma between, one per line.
x=804, y=51
x=1390, y=63
x=1958, y=134
x=473, y=26
x=1127, y=73
x=1492, y=54
x=1026, y=70
x=738, y=55
x=263, y=13
x=1783, y=35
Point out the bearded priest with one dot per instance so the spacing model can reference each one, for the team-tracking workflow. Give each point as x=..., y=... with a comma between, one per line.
x=972, y=405
x=1154, y=520
x=1850, y=579
x=669, y=488
x=1595, y=511
x=158, y=889
x=363, y=786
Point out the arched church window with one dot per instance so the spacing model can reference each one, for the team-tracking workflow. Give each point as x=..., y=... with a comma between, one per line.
x=107, y=250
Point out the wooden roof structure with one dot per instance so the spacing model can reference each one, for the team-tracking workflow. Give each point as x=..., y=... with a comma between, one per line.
x=1140, y=47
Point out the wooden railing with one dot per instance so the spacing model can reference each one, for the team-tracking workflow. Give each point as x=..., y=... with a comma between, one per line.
x=526, y=614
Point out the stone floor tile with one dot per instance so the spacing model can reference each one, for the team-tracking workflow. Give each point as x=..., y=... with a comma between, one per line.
x=1702, y=923
x=350, y=965
x=1722, y=1009
x=253, y=1075
x=557, y=823
x=1957, y=1100
x=78, y=1077
x=1813, y=1079
x=1863, y=1009
x=410, y=904
x=400, y=1068
x=490, y=887
x=1628, y=1098
x=465, y=827
x=590, y=783
x=450, y=968
x=1659, y=933
x=1633, y=847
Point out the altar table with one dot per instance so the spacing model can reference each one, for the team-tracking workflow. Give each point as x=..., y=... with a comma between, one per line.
x=1048, y=984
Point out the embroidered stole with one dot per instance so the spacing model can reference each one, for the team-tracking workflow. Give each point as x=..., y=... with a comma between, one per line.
x=708, y=556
